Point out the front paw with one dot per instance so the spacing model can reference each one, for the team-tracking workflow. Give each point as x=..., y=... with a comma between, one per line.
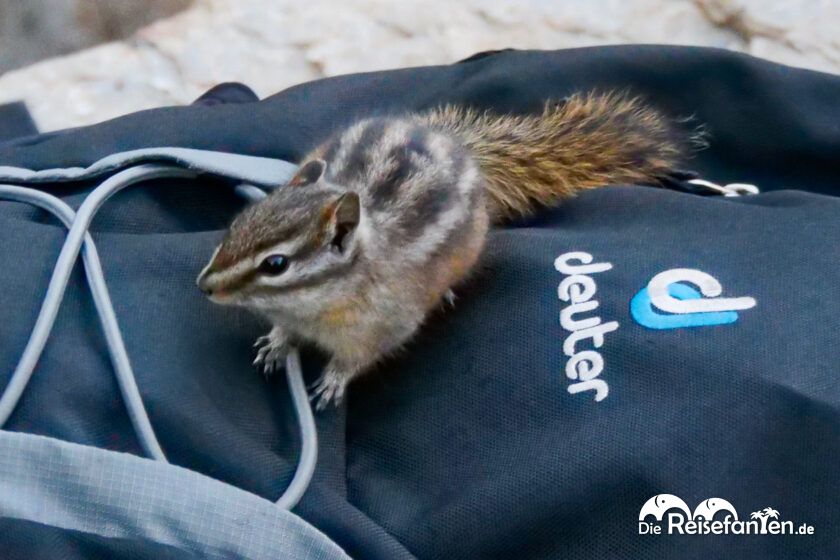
x=450, y=297
x=329, y=388
x=272, y=350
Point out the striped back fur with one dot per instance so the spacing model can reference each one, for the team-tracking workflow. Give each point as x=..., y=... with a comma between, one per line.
x=419, y=187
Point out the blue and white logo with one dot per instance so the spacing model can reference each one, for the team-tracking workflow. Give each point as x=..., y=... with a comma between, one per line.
x=685, y=297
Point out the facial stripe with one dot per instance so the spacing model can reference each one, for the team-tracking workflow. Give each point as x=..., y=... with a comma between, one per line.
x=234, y=283
x=307, y=280
x=245, y=271
x=281, y=218
x=224, y=280
x=242, y=271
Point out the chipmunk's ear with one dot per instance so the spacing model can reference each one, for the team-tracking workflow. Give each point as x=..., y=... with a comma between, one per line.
x=308, y=173
x=343, y=218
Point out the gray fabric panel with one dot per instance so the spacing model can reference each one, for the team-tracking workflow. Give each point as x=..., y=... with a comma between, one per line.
x=264, y=172
x=121, y=496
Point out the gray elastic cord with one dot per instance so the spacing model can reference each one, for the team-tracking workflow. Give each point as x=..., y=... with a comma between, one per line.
x=55, y=292
x=308, y=433
x=46, y=317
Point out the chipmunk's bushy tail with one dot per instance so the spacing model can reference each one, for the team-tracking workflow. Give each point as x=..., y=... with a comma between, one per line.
x=583, y=142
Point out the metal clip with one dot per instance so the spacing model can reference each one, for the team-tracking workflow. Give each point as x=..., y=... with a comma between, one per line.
x=732, y=189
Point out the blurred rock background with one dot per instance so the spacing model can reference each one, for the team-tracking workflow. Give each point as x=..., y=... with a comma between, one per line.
x=162, y=52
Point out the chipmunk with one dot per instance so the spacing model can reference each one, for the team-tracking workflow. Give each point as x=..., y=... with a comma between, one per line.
x=383, y=219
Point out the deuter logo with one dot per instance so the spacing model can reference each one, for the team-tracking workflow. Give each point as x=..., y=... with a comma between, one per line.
x=714, y=516
x=685, y=297
x=676, y=298
x=578, y=290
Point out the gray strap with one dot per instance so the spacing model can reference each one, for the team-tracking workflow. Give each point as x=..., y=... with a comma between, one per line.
x=264, y=172
x=93, y=491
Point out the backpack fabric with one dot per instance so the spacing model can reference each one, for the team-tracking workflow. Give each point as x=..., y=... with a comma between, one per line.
x=580, y=374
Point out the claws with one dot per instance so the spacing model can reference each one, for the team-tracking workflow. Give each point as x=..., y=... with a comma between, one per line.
x=265, y=339
x=329, y=388
x=449, y=297
x=271, y=353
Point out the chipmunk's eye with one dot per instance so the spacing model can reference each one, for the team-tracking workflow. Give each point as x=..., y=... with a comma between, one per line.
x=274, y=264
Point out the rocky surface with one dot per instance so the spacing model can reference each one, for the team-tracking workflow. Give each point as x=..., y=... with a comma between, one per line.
x=31, y=30
x=273, y=44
